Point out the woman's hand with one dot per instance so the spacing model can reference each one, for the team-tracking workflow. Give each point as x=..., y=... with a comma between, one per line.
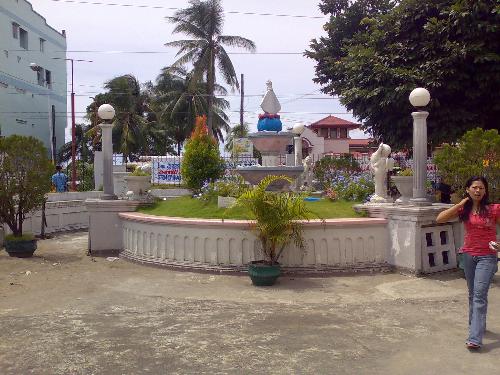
x=463, y=201
x=452, y=212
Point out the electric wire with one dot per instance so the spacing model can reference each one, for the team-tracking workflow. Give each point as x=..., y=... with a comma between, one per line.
x=125, y=5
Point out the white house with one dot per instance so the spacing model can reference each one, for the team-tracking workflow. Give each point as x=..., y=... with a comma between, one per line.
x=33, y=84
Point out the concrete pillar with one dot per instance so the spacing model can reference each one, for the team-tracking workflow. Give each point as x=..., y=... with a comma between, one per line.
x=419, y=158
x=107, y=158
x=105, y=226
x=297, y=146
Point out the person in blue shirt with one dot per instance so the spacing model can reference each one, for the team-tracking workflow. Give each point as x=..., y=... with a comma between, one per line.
x=59, y=180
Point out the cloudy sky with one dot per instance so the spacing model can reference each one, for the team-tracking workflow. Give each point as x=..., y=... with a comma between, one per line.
x=107, y=32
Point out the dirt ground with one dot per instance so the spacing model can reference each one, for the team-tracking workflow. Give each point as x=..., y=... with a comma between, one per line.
x=62, y=312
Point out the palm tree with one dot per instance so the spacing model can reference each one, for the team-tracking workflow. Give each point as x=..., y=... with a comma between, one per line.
x=203, y=21
x=83, y=146
x=178, y=102
x=132, y=114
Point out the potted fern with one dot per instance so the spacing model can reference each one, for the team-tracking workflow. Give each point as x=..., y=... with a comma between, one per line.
x=277, y=221
x=25, y=173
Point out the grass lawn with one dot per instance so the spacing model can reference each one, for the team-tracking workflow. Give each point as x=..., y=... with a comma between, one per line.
x=189, y=207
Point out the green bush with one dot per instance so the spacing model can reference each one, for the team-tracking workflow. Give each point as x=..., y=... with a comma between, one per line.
x=25, y=178
x=477, y=153
x=201, y=161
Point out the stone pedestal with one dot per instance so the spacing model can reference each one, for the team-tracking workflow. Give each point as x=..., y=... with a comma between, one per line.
x=417, y=243
x=105, y=227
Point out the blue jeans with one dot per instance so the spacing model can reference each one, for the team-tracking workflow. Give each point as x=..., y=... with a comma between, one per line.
x=479, y=271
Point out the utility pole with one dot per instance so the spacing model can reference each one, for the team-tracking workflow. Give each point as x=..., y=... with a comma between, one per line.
x=242, y=98
x=73, y=135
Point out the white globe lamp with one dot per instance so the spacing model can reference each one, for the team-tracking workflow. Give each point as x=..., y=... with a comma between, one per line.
x=420, y=97
x=106, y=112
x=298, y=128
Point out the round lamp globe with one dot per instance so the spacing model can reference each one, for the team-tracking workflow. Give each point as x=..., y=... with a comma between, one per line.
x=420, y=97
x=106, y=112
x=298, y=128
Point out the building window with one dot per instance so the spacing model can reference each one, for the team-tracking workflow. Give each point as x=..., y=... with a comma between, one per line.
x=40, y=76
x=333, y=133
x=42, y=45
x=15, y=30
x=343, y=133
x=23, y=38
x=48, y=78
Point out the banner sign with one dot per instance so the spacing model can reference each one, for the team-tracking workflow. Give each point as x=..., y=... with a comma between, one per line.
x=166, y=171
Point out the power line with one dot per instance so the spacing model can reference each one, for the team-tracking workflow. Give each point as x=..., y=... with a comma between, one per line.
x=175, y=8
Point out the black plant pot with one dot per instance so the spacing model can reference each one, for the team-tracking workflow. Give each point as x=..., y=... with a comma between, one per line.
x=20, y=249
x=263, y=274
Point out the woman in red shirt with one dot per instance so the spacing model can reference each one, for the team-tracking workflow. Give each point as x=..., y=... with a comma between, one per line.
x=480, y=257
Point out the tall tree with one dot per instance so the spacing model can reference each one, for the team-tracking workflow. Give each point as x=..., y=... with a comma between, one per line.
x=377, y=51
x=178, y=102
x=133, y=115
x=203, y=21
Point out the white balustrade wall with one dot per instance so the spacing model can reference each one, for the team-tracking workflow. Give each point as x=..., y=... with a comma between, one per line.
x=343, y=244
x=63, y=212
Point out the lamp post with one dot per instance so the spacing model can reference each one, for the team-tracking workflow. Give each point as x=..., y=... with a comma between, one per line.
x=419, y=97
x=298, y=129
x=106, y=112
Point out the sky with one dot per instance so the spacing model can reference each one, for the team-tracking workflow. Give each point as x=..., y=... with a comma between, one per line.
x=108, y=31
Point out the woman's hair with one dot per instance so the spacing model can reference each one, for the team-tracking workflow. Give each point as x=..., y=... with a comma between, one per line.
x=483, y=204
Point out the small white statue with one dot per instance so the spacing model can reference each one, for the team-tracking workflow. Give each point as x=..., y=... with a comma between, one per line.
x=380, y=164
x=307, y=174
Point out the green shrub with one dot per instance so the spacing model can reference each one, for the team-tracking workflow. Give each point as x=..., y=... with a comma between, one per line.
x=477, y=153
x=25, y=179
x=201, y=161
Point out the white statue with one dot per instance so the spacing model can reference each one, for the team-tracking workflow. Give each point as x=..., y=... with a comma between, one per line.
x=380, y=164
x=307, y=174
x=270, y=102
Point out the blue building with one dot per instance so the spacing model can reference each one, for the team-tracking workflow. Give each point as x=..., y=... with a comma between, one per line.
x=33, y=83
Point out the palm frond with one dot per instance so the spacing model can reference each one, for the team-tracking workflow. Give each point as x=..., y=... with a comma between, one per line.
x=237, y=41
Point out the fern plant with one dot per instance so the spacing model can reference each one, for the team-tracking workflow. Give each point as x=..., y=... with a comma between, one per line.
x=278, y=217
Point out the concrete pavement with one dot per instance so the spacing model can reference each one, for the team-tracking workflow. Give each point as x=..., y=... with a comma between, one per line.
x=62, y=312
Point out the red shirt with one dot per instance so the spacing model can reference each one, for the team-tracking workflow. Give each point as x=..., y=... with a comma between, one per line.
x=479, y=231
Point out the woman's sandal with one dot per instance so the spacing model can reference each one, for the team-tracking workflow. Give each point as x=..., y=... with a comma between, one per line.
x=472, y=346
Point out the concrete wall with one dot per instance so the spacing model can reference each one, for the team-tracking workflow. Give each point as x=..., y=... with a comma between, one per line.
x=346, y=244
x=336, y=146
x=24, y=102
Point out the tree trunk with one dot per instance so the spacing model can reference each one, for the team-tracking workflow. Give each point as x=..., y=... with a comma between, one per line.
x=210, y=91
x=179, y=145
